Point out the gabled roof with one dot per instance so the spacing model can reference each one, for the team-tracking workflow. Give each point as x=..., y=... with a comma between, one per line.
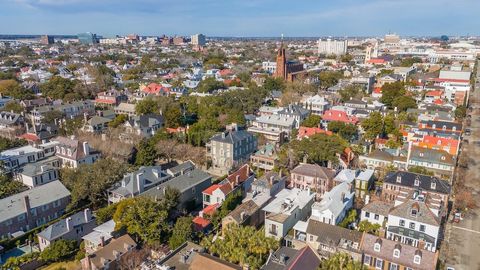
x=240, y=175
x=424, y=214
x=336, y=115
x=332, y=235
x=378, y=207
x=304, y=258
x=431, y=156
x=13, y=206
x=59, y=228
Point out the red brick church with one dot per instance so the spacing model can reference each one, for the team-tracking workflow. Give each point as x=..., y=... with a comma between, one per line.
x=288, y=70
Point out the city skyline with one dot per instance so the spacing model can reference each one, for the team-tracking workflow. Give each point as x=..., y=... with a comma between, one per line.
x=259, y=18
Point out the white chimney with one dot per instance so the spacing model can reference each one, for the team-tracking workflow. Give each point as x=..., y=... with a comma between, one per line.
x=69, y=224
x=86, y=148
x=140, y=183
x=88, y=214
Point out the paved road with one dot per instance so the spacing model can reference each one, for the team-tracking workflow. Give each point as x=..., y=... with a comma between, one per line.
x=463, y=239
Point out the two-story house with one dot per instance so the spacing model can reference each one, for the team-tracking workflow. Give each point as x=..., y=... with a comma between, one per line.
x=73, y=227
x=73, y=152
x=144, y=125
x=397, y=185
x=32, y=208
x=385, y=254
x=288, y=207
x=137, y=182
x=334, y=204
x=412, y=222
x=314, y=177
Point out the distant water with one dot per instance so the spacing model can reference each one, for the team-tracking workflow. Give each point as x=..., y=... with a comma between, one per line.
x=16, y=37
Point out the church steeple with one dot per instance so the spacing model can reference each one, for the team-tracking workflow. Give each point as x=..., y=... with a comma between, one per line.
x=281, y=71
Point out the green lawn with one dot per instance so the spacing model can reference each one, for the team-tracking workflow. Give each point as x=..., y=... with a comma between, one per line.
x=70, y=265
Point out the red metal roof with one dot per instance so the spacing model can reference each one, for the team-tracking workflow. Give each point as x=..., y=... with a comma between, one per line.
x=210, y=189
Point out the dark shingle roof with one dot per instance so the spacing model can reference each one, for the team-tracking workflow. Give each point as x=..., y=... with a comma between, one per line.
x=407, y=179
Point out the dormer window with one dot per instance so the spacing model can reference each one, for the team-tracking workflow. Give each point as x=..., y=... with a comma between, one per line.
x=414, y=212
x=378, y=244
x=434, y=126
x=418, y=257
x=443, y=158
x=433, y=185
x=417, y=182
x=396, y=251
x=421, y=154
x=444, y=127
x=399, y=179
x=454, y=128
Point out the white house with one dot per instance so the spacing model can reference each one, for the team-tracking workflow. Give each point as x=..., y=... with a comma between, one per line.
x=376, y=212
x=413, y=223
x=288, y=207
x=334, y=204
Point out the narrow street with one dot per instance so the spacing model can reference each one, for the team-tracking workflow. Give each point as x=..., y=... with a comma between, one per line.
x=463, y=238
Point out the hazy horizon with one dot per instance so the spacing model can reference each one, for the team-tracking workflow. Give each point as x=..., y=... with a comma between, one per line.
x=241, y=18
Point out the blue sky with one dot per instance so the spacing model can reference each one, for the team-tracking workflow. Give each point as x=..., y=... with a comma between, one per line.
x=241, y=17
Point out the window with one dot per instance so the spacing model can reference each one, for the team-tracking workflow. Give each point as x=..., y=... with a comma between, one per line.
x=376, y=247
x=422, y=228
x=376, y=217
x=396, y=253
x=367, y=259
x=402, y=223
x=417, y=259
x=379, y=264
x=412, y=225
x=393, y=266
x=413, y=212
x=273, y=229
x=311, y=238
x=367, y=214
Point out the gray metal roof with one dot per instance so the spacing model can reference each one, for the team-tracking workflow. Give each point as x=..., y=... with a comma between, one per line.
x=152, y=175
x=182, y=183
x=59, y=228
x=13, y=206
x=231, y=137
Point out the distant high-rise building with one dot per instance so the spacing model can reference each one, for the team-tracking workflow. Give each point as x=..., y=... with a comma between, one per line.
x=178, y=40
x=392, y=39
x=329, y=46
x=87, y=38
x=46, y=39
x=198, y=40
